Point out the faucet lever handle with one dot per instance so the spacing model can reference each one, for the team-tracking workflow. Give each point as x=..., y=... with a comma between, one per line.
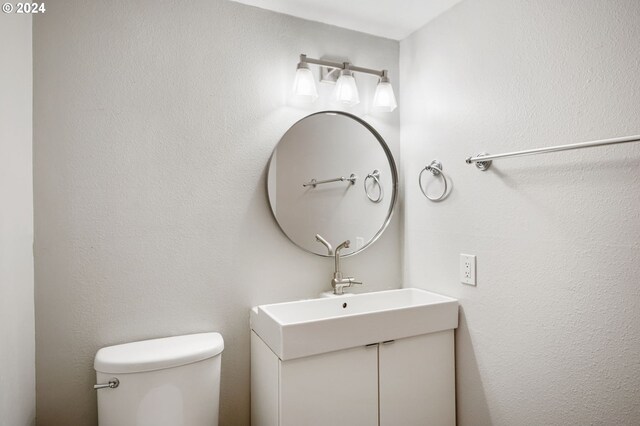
x=352, y=281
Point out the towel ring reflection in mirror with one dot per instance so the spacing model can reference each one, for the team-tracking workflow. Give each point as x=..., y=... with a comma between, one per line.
x=435, y=167
x=375, y=175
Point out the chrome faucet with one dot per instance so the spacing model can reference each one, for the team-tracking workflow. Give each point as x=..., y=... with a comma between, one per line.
x=324, y=243
x=339, y=282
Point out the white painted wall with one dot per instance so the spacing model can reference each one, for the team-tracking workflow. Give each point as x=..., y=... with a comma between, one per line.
x=551, y=334
x=17, y=343
x=154, y=124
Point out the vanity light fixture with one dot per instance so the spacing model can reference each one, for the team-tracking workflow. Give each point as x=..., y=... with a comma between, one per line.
x=346, y=90
x=384, y=98
x=303, y=85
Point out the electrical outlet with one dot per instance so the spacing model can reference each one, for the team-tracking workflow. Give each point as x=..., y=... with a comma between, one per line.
x=468, y=269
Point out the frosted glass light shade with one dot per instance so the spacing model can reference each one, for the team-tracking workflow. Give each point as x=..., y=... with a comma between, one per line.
x=384, y=99
x=346, y=91
x=304, y=85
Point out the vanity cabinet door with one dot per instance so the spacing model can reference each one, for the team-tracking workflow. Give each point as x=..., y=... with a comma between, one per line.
x=337, y=388
x=417, y=381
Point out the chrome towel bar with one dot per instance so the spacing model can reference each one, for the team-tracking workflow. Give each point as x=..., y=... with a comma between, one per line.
x=483, y=160
x=314, y=182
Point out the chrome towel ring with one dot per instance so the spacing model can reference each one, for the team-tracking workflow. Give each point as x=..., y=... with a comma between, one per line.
x=435, y=167
x=375, y=175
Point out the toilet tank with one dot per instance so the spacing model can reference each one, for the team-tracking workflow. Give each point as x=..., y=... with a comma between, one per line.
x=173, y=381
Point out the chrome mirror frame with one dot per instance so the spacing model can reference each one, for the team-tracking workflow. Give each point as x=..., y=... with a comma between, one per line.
x=394, y=179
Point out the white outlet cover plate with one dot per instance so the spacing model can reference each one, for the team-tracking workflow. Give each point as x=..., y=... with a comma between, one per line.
x=468, y=269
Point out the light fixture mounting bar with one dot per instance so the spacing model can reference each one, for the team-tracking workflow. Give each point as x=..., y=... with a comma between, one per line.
x=381, y=73
x=342, y=66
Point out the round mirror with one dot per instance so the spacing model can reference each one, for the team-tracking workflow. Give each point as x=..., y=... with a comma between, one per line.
x=332, y=175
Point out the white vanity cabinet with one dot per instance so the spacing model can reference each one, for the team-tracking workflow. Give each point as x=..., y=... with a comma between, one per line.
x=338, y=388
x=409, y=381
x=417, y=380
x=375, y=359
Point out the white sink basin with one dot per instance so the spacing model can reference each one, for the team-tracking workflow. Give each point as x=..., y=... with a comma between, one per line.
x=310, y=327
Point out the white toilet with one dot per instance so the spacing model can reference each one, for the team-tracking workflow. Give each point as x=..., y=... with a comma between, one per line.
x=174, y=381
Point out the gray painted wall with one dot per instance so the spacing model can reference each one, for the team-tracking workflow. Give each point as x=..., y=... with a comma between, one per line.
x=154, y=124
x=551, y=335
x=17, y=343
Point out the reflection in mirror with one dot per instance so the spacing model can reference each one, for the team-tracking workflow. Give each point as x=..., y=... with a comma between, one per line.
x=332, y=175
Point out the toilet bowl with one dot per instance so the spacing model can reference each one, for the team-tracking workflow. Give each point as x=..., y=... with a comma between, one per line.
x=173, y=381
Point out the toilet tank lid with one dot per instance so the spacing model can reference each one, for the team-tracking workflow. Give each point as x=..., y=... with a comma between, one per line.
x=158, y=354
